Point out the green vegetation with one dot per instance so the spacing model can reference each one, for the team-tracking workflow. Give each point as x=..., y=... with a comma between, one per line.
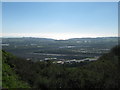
x=102, y=73
x=9, y=77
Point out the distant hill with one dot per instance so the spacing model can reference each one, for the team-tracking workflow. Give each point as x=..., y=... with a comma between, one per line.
x=32, y=39
x=38, y=40
x=97, y=38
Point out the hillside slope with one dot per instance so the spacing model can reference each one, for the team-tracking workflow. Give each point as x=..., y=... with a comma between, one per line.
x=103, y=73
x=9, y=78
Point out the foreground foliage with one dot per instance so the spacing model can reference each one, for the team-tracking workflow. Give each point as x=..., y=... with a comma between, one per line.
x=102, y=73
x=9, y=77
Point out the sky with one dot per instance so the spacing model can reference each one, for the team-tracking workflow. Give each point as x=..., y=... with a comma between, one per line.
x=59, y=20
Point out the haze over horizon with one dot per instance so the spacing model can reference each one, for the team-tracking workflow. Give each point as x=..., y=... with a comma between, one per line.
x=58, y=38
x=60, y=20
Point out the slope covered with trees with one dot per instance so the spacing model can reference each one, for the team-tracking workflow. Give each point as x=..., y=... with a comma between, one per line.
x=102, y=73
x=9, y=77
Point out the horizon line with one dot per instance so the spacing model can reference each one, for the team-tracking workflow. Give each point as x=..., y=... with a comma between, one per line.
x=58, y=39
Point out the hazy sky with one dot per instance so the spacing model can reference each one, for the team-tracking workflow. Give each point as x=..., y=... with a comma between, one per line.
x=60, y=20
